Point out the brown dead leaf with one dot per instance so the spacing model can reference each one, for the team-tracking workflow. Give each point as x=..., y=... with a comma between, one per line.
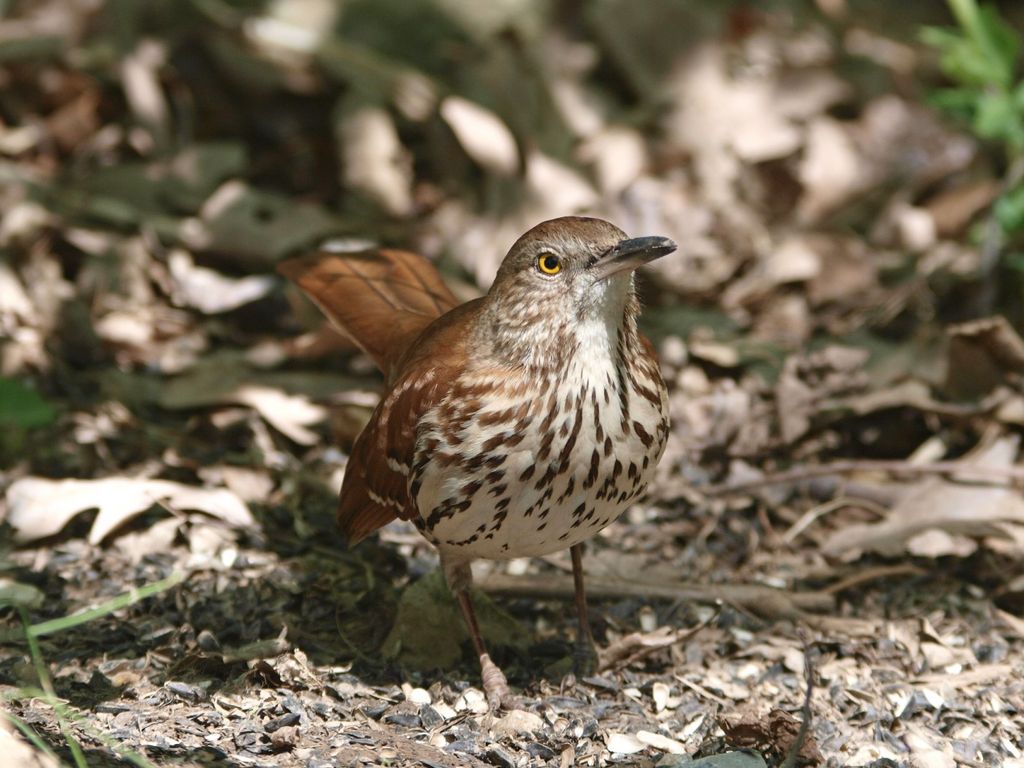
x=211, y=292
x=950, y=507
x=374, y=160
x=954, y=208
x=38, y=508
x=483, y=135
x=981, y=354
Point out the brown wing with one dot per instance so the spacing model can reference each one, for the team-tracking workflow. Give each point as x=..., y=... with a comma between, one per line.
x=381, y=299
x=376, y=486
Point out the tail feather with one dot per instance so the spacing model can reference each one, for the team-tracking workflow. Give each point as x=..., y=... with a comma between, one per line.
x=381, y=299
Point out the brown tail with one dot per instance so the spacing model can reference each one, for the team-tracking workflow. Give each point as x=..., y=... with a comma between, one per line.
x=381, y=299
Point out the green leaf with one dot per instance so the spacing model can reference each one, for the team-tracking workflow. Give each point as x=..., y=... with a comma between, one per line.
x=959, y=102
x=996, y=116
x=21, y=406
x=1000, y=43
x=1009, y=210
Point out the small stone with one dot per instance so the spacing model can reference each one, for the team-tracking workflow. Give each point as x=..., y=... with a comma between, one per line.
x=661, y=743
x=186, y=691
x=430, y=717
x=473, y=700
x=285, y=738
x=498, y=756
x=404, y=719
x=519, y=721
x=623, y=743
x=285, y=720
x=416, y=695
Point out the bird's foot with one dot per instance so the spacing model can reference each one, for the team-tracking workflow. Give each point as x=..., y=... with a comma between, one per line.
x=584, y=658
x=495, y=685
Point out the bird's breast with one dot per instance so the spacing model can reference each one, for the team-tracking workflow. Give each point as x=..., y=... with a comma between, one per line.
x=524, y=465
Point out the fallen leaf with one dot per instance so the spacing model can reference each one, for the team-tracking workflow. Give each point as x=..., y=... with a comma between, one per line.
x=954, y=508
x=374, y=160
x=483, y=135
x=288, y=414
x=211, y=292
x=256, y=228
x=38, y=508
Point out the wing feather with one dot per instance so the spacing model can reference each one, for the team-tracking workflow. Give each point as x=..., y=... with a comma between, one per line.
x=381, y=299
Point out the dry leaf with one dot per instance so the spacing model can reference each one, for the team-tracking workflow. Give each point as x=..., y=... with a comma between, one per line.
x=211, y=292
x=955, y=509
x=482, y=134
x=374, y=160
x=38, y=508
x=288, y=414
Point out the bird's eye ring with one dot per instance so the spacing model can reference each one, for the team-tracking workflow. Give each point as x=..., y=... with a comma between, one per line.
x=549, y=264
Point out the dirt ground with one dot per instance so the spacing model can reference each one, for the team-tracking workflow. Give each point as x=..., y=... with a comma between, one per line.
x=827, y=569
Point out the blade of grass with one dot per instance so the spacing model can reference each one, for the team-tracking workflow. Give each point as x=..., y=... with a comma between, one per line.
x=63, y=710
x=114, y=604
x=33, y=737
x=51, y=697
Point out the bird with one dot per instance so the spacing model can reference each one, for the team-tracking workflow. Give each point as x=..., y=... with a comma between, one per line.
x=513, y=425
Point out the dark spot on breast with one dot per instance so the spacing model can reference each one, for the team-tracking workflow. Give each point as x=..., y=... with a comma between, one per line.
x=495, y=441
x=595, y=463
x=645, y=437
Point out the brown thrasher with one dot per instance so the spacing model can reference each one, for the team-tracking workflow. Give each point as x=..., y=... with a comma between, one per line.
x=513, y=425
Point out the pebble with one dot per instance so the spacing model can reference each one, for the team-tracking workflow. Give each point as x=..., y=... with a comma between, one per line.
x=500, y=757
x=416, y=695
x=518, y=721
x=473, y=700
x=430, y=717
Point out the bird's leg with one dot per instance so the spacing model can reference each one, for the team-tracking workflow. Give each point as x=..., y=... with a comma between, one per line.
x=585, y=652
x=460, y=577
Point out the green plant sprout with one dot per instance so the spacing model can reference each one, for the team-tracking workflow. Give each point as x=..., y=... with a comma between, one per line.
x=982, y=56
x=66, y=716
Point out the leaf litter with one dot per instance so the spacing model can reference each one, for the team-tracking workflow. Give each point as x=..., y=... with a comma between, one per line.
x=829, y=305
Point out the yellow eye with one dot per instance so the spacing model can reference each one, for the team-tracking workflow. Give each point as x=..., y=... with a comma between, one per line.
x=549, y=264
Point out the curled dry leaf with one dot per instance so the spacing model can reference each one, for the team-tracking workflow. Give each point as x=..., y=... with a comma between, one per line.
x=38, y=508
x=211, y=292
x=375, y=162
x=482, y=134
x=952, y=508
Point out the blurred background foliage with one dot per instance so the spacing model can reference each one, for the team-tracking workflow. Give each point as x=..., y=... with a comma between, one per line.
x=157, y=158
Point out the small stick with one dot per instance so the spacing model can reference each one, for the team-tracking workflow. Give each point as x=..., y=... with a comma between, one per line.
x=805, y=720
x=765, y=602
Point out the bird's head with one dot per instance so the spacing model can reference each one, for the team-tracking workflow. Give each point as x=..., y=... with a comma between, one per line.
x=571, y=275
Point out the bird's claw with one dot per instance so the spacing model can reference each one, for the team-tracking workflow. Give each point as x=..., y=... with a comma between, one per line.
x=499, y=695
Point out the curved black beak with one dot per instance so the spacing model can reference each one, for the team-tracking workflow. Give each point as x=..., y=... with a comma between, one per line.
x=630, y=254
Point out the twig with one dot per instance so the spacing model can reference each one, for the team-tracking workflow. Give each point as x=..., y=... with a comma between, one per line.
x=825, y=508
x=632, y=648
x=766, y=602
x=980, y=474
x=870, y=574
x=793, y=757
